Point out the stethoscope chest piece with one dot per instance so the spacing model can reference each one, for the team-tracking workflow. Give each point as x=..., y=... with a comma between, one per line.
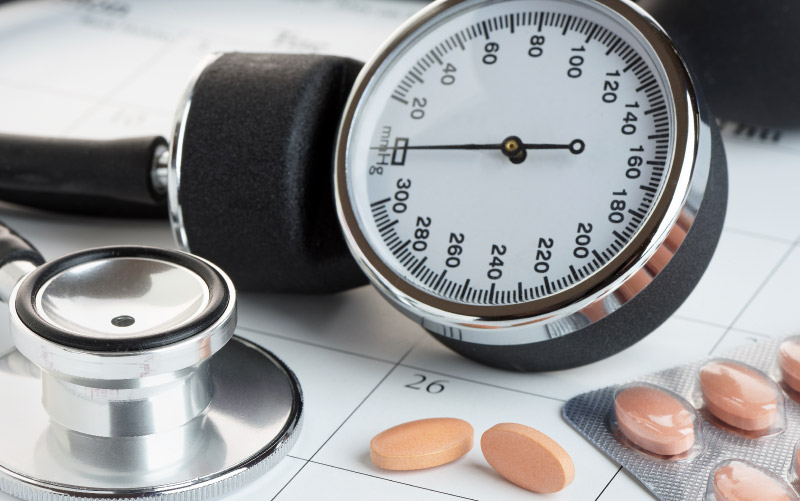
x=128, y=382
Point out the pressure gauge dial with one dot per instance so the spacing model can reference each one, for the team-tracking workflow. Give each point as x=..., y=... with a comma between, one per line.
x=535, y=181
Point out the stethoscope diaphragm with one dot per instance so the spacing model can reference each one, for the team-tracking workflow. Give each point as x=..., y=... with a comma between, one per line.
x=128, y=382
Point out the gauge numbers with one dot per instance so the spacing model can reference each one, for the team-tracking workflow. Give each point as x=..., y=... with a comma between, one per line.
x=510, y=150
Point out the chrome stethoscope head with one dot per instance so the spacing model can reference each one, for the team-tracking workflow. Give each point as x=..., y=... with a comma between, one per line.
x=128, y=381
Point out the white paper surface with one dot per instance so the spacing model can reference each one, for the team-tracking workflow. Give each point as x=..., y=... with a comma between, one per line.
x=115, y=68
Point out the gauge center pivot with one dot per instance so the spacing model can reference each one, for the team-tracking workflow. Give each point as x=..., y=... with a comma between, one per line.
x=517, y=151
x=514, y=149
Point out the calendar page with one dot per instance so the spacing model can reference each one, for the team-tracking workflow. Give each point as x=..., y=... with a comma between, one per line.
x=112, y=68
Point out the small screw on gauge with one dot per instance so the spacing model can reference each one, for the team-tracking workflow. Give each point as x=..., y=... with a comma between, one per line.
x=514, y=149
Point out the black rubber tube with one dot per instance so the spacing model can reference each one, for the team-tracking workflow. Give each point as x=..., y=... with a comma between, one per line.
x=15, y=248
x=111, y=178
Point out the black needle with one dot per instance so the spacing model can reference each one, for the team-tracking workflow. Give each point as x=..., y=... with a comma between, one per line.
x=512, y=147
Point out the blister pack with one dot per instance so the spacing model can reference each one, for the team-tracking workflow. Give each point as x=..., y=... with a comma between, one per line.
x=719, y=429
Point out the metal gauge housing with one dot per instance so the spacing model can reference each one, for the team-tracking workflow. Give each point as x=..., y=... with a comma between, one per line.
x=537, y=182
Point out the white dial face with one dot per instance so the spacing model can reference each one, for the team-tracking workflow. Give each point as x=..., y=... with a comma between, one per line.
x=508, y=150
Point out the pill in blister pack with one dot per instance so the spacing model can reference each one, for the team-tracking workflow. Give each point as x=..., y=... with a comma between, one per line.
x=720, y=429
x=736, y=480
x=789, y=362
x=656, y=421
x=741, y=398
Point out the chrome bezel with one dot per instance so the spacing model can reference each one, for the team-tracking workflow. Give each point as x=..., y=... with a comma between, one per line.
x=603, y=293
x=71, y=363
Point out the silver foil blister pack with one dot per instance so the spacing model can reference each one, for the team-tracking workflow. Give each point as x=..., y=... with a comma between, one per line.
x=690, y=475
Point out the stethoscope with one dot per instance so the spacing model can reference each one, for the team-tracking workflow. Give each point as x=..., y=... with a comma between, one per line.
x=127, y=379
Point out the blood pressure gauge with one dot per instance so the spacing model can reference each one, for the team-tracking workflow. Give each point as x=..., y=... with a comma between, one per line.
x=536, y=182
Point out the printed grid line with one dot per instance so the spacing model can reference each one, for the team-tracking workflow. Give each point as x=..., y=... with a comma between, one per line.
x=389, y=480
x=757, y=291
x=759, y=236
x=92, y=99
x=315, y=345
x=400, y=364
x=722, y=326
x=609, y=483
x=386, y=376
x=201, y=37
x=491, y=385
x=122, y=85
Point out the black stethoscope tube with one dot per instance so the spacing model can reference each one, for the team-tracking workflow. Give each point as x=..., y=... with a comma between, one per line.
x=111, y=177
x=15, y=248
x=249, y=177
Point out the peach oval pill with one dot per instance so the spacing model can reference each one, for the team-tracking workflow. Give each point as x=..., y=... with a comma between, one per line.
x=737, y=481
x=738, y=395
x=789, y=361
x=421, y=444
x=654, y=420
x=797, y=462
x=527, y=457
